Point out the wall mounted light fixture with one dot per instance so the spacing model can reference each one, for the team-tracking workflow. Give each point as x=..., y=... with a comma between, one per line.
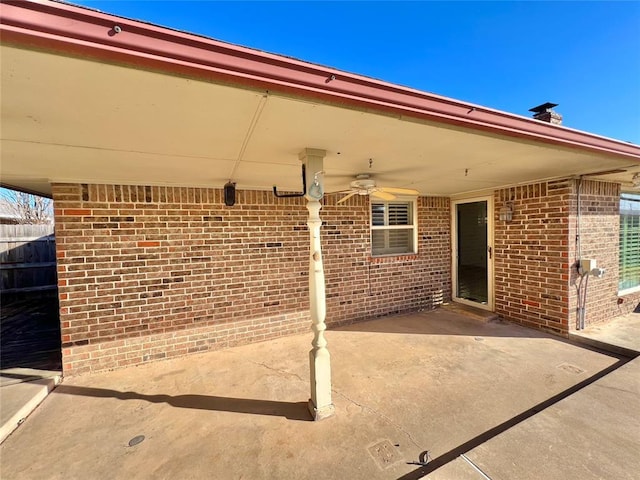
x=506, y=212
x=230, y=194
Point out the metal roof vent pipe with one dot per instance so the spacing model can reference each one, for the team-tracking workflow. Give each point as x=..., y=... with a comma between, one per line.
x=545, y=113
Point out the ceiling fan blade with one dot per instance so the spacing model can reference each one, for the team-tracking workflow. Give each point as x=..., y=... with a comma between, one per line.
x=401, y=191
x=340, y=191
x=346, y=197
x=380, y=193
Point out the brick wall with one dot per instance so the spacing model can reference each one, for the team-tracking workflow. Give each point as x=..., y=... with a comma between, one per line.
x=535, y=254
x=155, y=272
x=628, y=303
x=599, y=239
x=532, y=256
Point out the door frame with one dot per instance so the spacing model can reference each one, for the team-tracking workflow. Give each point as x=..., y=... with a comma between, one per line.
x=490, y=305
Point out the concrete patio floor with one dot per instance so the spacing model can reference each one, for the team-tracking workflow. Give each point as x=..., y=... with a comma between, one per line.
x=621, y=335
x=403, y=385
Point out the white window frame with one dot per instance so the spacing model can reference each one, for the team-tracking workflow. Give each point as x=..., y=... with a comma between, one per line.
x=636, y=288
x=413, y=202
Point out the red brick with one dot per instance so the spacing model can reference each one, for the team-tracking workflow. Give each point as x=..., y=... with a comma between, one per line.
x=200, y=249
x=76, y=211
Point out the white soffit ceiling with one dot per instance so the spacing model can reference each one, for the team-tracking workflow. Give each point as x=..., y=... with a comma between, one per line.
x=71, y=120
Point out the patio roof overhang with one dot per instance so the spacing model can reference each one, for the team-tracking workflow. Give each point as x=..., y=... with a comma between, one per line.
x=86, y=102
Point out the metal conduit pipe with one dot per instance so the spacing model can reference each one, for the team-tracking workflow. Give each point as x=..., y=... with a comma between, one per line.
x=585, y=267
x=580, y=292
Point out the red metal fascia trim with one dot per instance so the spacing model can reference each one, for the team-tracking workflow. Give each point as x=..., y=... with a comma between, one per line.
x=84, y=32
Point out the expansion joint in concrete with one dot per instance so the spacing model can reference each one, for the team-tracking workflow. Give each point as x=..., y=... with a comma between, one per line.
x=475, y=467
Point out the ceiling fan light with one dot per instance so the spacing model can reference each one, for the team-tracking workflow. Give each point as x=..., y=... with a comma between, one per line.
x=364, y=183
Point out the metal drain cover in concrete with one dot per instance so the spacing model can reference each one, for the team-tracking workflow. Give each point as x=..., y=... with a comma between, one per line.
x=567, y=367
x=136, y=440
x=385, y=454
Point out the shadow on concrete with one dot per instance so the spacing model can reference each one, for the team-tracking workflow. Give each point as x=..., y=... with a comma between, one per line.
x=443, y=322
x=30, y=331
x=20, y=376
x=8, y=377
x=290, y=410
x=498, y=429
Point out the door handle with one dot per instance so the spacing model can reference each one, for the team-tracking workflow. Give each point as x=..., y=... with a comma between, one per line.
x=490, y=250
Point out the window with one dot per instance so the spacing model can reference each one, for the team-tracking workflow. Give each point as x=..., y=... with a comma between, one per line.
x=629, y=242
x=393, y=227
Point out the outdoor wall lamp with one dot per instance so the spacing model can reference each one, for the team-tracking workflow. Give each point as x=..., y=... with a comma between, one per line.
x=230, y=194
x=506, y=212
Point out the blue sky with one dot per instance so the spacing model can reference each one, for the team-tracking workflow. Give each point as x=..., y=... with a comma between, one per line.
x=509, y=56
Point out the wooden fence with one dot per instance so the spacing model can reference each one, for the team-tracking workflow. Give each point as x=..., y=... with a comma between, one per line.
x=27, y=258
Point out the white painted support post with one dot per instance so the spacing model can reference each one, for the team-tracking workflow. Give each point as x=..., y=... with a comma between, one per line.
x=320, y=404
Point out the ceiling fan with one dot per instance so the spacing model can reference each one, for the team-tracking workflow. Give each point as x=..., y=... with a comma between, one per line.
x=365, y=185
